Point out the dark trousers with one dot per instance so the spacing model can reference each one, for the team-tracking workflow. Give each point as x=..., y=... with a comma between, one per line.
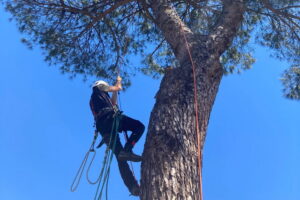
x=104, y=126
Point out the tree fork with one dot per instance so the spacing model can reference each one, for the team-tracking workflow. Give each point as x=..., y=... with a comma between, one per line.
x=170, y=165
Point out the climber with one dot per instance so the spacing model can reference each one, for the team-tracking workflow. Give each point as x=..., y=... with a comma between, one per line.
x=104, y=107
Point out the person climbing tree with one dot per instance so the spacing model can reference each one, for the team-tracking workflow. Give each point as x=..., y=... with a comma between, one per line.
x=105, y=110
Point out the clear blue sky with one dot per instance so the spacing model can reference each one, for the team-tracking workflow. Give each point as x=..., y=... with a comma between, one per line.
x=252, y=150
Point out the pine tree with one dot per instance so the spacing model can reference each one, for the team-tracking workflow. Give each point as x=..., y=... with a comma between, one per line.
x=94, y=37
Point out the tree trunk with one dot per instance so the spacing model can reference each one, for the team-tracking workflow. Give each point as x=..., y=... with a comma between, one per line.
x=170, y=158
x=170, y=165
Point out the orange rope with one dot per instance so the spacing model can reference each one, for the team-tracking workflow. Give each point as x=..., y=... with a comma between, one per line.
x=199, y=136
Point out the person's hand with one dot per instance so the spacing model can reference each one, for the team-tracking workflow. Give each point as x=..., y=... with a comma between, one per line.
x=119, y=79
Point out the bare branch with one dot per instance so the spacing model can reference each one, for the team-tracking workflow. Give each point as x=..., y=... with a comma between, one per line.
x=115, y=38
x=101, y=16
x=111, y=9
x=269, y=6
x=281, y=16
x=61, y=7
x=157, y=47
x=289, y=7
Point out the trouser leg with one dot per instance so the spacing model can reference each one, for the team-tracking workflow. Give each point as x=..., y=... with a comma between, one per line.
x=127, y=175
x=104, y=126
x=124, y=168
x=135, y=126
x=110, y=141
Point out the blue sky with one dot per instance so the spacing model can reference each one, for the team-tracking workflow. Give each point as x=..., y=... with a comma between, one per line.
x=252, y=150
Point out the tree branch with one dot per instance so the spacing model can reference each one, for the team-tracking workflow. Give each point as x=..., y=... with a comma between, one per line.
x=288, y=7
x=100, y=16
x=157, y=47
x=227, y=26
x=172, y=27
x=269, y=6
x=116, y=45
x=111, y=9
x=281, y=18
x=61, y=7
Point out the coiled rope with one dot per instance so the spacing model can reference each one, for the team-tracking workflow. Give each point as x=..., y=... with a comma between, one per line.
x=103, y=177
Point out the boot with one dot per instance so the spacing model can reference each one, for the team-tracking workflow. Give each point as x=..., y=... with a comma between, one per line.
x=123, y=156
x=135, y=190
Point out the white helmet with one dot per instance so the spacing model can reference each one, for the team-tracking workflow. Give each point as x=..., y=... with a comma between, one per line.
x=100, y=82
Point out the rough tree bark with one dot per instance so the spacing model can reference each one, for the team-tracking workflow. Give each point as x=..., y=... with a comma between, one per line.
x=169, y=168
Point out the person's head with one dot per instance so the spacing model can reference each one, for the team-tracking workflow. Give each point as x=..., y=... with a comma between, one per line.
x=100, y=84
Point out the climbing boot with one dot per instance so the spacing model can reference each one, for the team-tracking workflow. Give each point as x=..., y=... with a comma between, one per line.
x=135, y=190
x=123, y=156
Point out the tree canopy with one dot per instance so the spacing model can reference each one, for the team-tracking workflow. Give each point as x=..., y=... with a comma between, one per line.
x=94, y=37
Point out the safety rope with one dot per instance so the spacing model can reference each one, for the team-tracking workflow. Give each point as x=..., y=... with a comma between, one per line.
x=103, y=177
x=88, y=170
x=79, y=173
x=199, y=136
x=120, y=105
x=105, y=171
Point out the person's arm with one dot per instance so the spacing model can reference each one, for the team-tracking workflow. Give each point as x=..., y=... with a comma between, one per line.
x=117, y=87
x=114, y=89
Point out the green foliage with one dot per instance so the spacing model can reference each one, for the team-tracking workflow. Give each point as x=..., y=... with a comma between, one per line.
x=291, y=82
x=279, y=29
x=70, y=36
x=281, y=33
x=239, y=57
x=94, y=38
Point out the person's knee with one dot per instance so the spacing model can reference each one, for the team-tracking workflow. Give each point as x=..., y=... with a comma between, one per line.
x=140, y=127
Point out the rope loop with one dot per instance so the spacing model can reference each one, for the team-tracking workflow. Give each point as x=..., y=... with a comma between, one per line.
x=79, y=173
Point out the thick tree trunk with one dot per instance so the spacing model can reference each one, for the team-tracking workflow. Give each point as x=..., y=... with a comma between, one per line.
x=170, y=165
x=170, y=158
